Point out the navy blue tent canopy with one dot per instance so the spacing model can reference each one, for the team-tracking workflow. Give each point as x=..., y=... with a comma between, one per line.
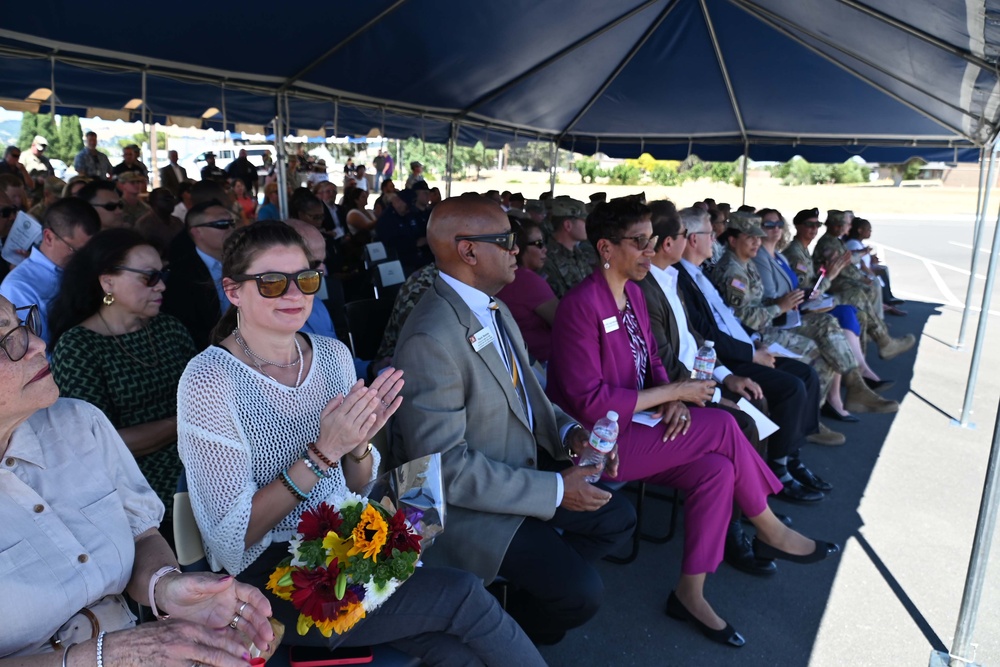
x=826, y=79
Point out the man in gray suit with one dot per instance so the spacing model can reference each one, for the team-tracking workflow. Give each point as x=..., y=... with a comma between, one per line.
x=517, y=507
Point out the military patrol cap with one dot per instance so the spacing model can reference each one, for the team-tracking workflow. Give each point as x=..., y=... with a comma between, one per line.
x=747, y=223
x=806, y=214
x=534, y=206
x=598, y=197
x=834, y=217
x=54, y=185
x=130, y=177
x=567, y=208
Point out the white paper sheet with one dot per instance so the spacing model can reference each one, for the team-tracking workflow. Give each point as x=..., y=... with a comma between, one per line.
x=646, y=418
x=24, y=233
x=765, y=426
x=782, y=351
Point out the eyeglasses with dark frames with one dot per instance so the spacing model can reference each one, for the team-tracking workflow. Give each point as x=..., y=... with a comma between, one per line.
x=507, y=241
x=227, y=223
x=538, y=243
x=273, y=284
x=641, y=241
x=111, y=205
x=778, y=224
x=710, y=231
x=153, y=276
x=16, y=341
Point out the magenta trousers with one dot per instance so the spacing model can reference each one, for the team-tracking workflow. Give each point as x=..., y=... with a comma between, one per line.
x=713, y=465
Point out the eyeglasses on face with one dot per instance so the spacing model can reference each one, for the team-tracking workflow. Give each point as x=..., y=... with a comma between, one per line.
x=72, y=248
x=777, y=224
x=15, y=342
x=641, y=241
x=8, y=211
x=111, y=205
x=153, y=276
x=538, y=243
x=227, y=223
x=707, y=231
x=505, y=241
x=273, y=284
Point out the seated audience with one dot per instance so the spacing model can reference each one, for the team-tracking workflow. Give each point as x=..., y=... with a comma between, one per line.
x=529, y=297
x=517, y=508
x=354, y=211
x=269, y=209
x=570, y=259
x=407, y=297
x=159, y=227
x=245, y=200
x=112, y=347
x=864, y=259
x=604, y=357
x=403, y=229
x=65, y=604
x=132, y=185
x=104, y=197
x=52, y=191
x=66, y=229
x=130, y=164
x=265, y=407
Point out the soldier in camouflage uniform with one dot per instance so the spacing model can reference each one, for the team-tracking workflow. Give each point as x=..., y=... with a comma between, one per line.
x=406, y=299
x=820, y=341
x=844, y=280
x=571, y=258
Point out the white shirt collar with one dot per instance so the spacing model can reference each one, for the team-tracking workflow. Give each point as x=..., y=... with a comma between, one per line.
x=477, y=301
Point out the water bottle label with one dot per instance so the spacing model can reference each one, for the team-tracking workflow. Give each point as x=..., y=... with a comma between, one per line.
x=601, y=445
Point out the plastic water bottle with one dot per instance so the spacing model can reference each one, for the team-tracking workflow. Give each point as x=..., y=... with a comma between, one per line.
x=602, y=441
x=704, y=362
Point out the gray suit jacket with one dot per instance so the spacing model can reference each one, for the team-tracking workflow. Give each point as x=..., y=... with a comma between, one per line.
x=776, y=282
x=462, y=403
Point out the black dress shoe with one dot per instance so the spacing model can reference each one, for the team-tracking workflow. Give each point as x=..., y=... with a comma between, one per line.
x=727, y=635
x=807, y=477
x=821, y=552
x=829, y=412
x=739, y=553
x=879, y=385
x=794, y=492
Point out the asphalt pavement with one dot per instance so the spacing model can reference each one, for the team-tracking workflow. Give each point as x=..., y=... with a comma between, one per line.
x=907, y=493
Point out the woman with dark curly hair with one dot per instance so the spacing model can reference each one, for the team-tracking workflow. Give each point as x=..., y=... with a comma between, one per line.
x=112, y=347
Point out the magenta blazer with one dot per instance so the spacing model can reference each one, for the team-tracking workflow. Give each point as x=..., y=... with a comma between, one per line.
x=591, y=370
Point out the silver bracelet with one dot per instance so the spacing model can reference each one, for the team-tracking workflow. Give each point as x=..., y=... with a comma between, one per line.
x=100, y=648
x=66, y=653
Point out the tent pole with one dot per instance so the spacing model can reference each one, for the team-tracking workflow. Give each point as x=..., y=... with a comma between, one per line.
x=553, y=165
x=984, y=314
x=281, y=166
x=982, y=205
x=978, y=560
x=450, y=163
x=746, y=160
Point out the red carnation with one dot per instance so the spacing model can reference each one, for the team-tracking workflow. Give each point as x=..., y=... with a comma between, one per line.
x=315, y=524
x=315, y=590
x=399, y=535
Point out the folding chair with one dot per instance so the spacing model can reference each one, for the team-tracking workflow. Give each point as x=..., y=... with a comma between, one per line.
x=366, y=321
x=640, y=489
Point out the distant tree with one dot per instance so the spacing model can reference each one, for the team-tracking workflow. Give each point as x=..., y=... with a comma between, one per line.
x=46, y=127
x=29, y=127
x=70, y=139
x=588, y=169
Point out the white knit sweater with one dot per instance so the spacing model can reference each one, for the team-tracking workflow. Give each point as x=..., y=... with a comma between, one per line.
x=237, y=430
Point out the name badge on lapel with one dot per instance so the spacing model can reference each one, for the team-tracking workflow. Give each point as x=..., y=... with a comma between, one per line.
x=611, y=324
x=480, y=339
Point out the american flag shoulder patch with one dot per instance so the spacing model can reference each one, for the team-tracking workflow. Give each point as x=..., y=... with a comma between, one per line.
x=738, y=284
x=801, y=267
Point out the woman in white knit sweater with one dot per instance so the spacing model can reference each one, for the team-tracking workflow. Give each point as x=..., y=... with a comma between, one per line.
x=259, y=416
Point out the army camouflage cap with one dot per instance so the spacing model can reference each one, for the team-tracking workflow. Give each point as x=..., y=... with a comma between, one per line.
x=567, y=208
x=534, y=206
x=834, y=217
x=748, y=223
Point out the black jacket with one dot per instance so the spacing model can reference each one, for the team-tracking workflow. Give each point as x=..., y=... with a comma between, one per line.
x=191, y=296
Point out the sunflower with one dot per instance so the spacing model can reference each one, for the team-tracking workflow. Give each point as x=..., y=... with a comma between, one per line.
x=370, y=534
x=283, y=592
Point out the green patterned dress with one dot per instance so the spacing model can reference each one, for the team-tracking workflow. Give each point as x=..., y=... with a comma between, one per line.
x=133, y=379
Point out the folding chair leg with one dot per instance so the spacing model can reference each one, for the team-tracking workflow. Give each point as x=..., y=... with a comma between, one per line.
x=636, y=535
x=675, y=502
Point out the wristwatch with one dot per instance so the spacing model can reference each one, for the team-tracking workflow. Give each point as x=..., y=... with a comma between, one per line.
x=567, y=440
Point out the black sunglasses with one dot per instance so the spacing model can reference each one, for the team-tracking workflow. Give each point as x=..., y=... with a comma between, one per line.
x=641, y=241
x=8, y=211
x=227, y=223
x=772, y=225
x=540, y=243
x=505, y=241
x=15, y=343
x=153, y=276
x=111, y=205
x=273, y=284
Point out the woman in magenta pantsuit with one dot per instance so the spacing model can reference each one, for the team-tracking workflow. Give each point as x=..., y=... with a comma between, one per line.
x=604, y=358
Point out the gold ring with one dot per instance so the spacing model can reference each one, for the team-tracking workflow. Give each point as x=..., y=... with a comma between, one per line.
x=242, y=607
x=236, y=619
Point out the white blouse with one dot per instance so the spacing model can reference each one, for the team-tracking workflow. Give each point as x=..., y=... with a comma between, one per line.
x=238, y=429
x=72, y=501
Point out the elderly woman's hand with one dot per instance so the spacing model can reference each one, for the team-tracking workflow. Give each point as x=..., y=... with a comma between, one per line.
x=172, y=643
x=216, y=602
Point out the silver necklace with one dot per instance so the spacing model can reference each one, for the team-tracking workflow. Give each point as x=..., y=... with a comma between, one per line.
x=257, y=359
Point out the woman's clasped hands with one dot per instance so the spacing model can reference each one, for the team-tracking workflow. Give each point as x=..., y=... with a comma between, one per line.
x=353, y=419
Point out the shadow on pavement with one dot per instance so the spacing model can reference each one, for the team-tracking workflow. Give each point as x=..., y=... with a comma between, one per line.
x=779, y=616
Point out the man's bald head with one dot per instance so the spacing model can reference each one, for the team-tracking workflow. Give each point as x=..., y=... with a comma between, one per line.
x=313, y=238
x=484, y=265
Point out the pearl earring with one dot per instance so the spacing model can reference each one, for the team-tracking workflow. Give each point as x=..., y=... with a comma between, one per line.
x=606, y=266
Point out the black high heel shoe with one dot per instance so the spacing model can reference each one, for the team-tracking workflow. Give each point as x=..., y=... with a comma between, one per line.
x=727, y=635
x=827, y=411
x=821, y=552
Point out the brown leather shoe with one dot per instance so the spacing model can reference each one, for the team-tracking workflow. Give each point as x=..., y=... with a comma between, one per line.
x=826, y=437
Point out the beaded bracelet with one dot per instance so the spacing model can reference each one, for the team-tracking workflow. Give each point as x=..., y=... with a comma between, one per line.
x=292, y=487
x=321, y=474
x=100, y=648
x=315, y=450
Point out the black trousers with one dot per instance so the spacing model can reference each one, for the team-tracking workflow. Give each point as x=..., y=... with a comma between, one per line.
x=792, y=392
x=553, y=584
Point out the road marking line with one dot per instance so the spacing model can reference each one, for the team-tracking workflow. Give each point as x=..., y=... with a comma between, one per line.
x=969, y=247
x=964, y=272
x=939, y=281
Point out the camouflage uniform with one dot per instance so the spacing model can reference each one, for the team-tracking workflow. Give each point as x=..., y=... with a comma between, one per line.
x=132, y=212
x=406, y=299
x=819, y=339
x=564, y=269
x=850, y=287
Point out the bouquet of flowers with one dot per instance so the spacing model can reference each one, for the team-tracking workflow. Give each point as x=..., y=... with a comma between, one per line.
x=346, y=560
